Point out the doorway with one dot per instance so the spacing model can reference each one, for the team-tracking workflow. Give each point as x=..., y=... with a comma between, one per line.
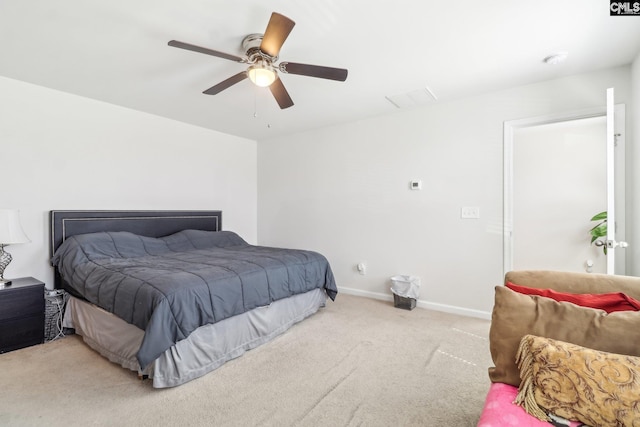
x=555, y=181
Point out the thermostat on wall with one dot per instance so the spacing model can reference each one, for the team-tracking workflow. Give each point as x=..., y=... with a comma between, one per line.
x=415, y=185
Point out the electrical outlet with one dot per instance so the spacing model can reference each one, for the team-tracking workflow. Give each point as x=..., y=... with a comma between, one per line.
x=470, y=212
x=362, y=268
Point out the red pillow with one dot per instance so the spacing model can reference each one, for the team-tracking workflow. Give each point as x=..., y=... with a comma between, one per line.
x=615, y=301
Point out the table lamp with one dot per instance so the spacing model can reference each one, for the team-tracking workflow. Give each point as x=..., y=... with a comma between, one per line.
x=10, y=233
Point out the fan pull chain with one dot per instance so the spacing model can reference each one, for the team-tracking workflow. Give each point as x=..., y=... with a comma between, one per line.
x=255, y=103
x=255, y=106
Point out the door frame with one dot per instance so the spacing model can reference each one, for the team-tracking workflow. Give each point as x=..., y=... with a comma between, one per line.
x=508, y=139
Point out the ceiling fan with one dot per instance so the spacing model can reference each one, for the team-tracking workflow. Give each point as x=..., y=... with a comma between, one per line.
x=261, y=53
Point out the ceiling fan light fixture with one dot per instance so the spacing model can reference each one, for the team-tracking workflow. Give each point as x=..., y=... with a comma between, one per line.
x=261, y=74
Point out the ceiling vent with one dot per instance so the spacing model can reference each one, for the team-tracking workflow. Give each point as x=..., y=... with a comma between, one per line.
x=412, y=99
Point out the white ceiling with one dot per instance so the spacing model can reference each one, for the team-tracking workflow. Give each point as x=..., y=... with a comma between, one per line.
x=116, y=51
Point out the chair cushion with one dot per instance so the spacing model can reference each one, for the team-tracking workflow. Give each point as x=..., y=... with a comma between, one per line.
x=516, y=315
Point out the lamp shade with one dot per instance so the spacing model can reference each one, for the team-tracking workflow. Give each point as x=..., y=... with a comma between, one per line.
x=10, y=229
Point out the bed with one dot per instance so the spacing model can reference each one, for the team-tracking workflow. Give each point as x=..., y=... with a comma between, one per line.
x=172, y=296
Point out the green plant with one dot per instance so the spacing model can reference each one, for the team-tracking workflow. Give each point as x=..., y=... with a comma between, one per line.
x=600, y=229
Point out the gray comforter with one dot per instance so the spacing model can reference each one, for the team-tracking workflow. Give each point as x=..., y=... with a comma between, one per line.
x=172, y=285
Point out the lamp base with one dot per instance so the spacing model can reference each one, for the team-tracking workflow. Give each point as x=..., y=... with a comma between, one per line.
x=5, y=259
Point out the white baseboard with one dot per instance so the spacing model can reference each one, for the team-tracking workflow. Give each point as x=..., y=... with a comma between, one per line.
x=420, y=303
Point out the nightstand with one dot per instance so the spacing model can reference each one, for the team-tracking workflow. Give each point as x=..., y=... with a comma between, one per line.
x=21, y=314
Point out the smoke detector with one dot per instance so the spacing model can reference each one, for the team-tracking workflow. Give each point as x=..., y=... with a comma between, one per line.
x=556, y=58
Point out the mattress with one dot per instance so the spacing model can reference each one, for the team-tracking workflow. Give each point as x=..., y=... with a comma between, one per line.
x=204, y=350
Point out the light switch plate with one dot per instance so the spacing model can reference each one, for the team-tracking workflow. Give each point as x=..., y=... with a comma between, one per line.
x=470, y=212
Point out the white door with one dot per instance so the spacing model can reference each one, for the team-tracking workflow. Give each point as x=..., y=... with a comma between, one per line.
x=614, y=146
x=555, y=181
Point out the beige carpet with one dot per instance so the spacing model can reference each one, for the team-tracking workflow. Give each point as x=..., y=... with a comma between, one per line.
x=357, y=362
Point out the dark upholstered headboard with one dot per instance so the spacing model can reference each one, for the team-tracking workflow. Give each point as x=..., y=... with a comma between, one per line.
x=64, y=224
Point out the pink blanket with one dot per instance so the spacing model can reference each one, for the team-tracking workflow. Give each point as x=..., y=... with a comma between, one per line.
x=500, y=411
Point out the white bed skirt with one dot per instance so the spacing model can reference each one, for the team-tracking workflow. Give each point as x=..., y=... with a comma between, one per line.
x=206, y=349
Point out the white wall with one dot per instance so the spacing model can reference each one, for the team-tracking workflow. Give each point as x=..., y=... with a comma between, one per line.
x=344, y=190
x=633, y=158
x=60, y=151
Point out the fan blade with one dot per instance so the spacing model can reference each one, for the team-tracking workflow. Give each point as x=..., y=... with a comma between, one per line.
x=276, y=33
x=280, y=94
x=213, y=90
x=339, y=74
x=199, y=49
